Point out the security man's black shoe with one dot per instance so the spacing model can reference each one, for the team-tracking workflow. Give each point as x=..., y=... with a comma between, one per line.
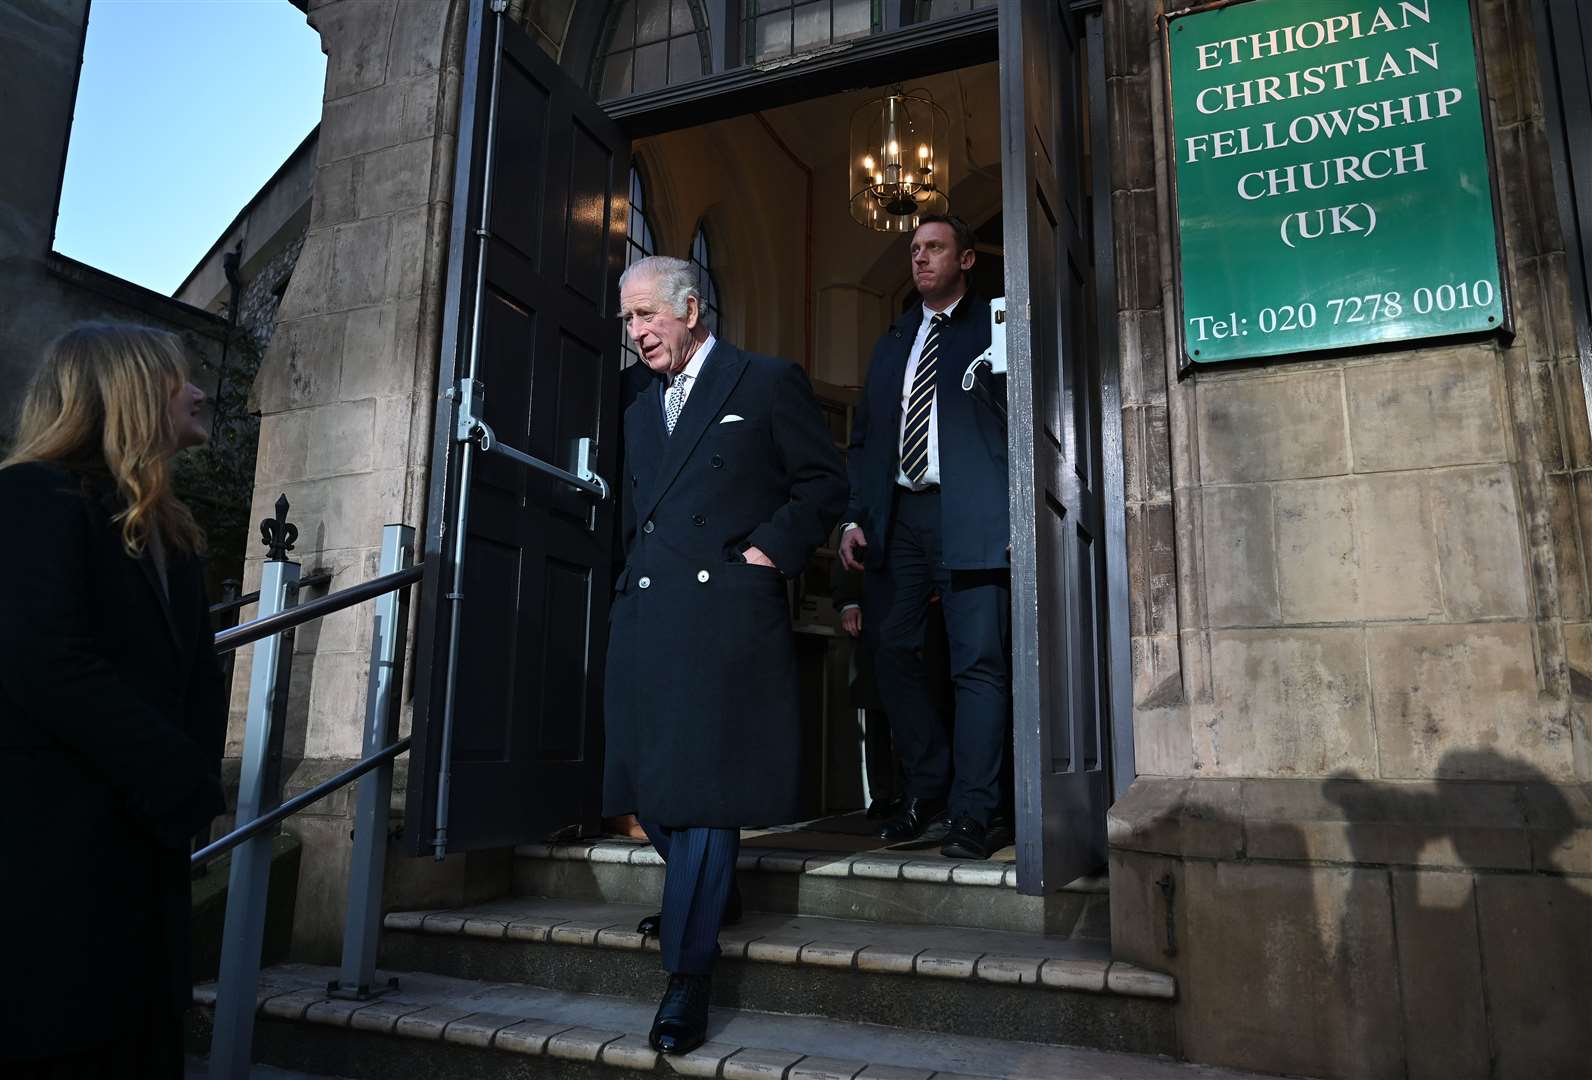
x=970, y=839
x=682, y=1021
x=653, y=924
x=909, y=822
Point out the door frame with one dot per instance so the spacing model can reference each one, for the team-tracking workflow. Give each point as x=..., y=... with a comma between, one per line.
x=903, y=54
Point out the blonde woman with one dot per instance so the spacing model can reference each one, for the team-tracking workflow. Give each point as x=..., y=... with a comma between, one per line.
x=111, y=710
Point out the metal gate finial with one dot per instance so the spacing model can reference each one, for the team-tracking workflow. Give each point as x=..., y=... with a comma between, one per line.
x=278, y=534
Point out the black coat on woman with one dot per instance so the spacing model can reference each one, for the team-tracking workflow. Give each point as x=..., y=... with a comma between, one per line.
x=112, y=721
x=702, y=714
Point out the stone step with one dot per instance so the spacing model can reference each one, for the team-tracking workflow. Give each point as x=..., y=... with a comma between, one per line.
x=445, y=1028
x=952, y=980
x=896, y=885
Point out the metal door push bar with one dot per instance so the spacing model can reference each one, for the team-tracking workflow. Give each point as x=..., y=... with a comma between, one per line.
x=469, y=427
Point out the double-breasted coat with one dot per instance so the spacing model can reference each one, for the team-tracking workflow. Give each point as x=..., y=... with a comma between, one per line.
x=112, y=721
x=701, y=709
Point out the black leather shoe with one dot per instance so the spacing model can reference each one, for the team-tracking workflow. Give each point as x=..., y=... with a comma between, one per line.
x=653, y=924
x=968, y=839
x=682, y=1021
x=883, y=808
x=909, y=822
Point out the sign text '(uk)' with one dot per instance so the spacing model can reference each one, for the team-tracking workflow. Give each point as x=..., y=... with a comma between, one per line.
x=1333, y=186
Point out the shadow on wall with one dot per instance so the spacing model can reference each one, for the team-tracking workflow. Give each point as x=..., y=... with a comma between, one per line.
x=1360, y=928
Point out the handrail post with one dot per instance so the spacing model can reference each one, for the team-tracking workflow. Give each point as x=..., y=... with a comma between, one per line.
x=373, y=806
x=243, y=936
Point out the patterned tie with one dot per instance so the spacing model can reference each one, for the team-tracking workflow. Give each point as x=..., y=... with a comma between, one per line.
x=920, y=405
x=674, y=401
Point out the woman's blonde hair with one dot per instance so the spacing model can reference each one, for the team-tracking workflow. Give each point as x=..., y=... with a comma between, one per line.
x=101, y=401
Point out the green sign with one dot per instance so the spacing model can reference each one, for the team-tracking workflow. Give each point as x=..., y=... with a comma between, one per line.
x=1333, y=187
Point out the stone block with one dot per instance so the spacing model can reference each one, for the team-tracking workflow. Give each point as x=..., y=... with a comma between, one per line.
x=1291, y=702
x=1085, y=975
x=380, y=1016
x=443, y=922
x=361, y=123
x=1397, y=548
x=1317, y=560
x=1577, y=433
x=1427, y=409
x=1157, y=671
x=1132, y=150
x=1569, y=575
x=1473, y=686
x=1240, y=549
x=337, y=185
x=579, y=931
x=356, y=38
x=823, y=955
x=776, y=950
x=705, y=1060
x=395, y=178
x=1138, y=249
x=887, y=959
x=302, y=365
x=1021, y=970
x=1559, y=824
x=1283, y=428
x=580, y=1044
x=822, y=1068
x=291, y=1006
x=977, y=874
x=630, y=1052
x=477, y=1029
x=894, y=1072
x=1536, y=935
x=337, y=707
x=1481, y=556
x=1133, y=981
x=1141, y=340
x=341, y=438
x=417, y=40
x=1445, y=1021
x=760, y=1065
x=528, y=1036
x=419, y=242
x=1304, y=982
x=373, y=366
x=359, y=263
x=283, y=448
x=305, y=294
x=946, y=963
x=424, y=98
x=333, y=1012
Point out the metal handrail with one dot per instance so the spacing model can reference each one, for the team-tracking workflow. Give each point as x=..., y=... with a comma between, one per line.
x=296, y=803
x=314, y=581
x=264, y=627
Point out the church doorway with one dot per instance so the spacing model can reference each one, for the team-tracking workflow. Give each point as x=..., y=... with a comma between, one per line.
x=555, y=193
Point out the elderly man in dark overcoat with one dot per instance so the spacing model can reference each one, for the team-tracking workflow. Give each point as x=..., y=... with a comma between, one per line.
x=731, y=482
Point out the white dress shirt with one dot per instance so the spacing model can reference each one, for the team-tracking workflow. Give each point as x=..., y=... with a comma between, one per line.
x=692, y=371
x=931, y=475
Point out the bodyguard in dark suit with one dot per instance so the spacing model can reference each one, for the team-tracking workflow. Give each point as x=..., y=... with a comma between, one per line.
x=731, y=483
x=111, y=714
x=928, y=514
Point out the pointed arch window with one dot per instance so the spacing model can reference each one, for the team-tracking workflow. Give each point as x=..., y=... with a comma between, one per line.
x=702, y=260
x=638, y=245
x=650, y=44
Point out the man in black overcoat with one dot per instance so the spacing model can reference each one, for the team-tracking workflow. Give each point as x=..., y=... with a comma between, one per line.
x=731, y=481
x=929, y=514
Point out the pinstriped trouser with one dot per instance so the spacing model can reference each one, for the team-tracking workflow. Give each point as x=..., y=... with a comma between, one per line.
x=698, y=876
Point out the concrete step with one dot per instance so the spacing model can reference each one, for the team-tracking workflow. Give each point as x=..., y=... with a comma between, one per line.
x=445, y=1028
x=952, y=980
x=904, y=884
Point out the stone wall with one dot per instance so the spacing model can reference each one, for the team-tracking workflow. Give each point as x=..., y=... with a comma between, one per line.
x=1360, y=603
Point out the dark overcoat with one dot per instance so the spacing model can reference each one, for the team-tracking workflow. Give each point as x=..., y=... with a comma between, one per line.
x=112, y=721
x=701, y=709
x=976, y=516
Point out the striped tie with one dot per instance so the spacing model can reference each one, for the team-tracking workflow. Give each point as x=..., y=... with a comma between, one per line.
x=920, y=405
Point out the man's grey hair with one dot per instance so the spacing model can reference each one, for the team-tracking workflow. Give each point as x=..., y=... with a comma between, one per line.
x=674, y=279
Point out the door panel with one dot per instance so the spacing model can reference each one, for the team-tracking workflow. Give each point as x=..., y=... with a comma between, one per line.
x=529, y=314
x=1053, y=386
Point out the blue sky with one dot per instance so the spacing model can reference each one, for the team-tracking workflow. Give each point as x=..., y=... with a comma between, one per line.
x=185, y=108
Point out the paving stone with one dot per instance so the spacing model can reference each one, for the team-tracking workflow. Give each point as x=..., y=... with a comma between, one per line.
x=747, y=860
x=620, y=937
x=630, y=1052
x=760, y=1064
x=828, y=866
x=1009, y=877
x=886, y=958
x=937, y=872
x=611, y=853
x=893, y=1072
x=1089, y=975
x=732, y=941
x=291, y=1006
x=645, y=856
x=405, y=920
x=776, y=950
x=381, y=1016
x=978, y=874
x=703, y=1061
x=479, y=926
x=946, y=963
x=783, y=862
x=333, y=1012
x=576, y=852
x=579, y=931
x=528, y=1036
x=442, y=922
x=580, y=1044
x=877, y=868
x=821, y=955
x=477, y=1029
x=819, y=1068
x=429, y=1023
x=1009, y=969
x=1128, y=979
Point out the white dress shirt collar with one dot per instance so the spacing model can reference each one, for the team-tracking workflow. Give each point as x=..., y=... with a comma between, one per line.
x=693, y=366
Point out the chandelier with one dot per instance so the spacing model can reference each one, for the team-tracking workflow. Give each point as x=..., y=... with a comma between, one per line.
x=898, y=161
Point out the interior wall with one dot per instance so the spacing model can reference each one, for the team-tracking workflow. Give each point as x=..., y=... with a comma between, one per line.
x=748, y=178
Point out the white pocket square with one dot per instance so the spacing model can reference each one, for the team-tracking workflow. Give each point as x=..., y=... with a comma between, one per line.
x=731, y=418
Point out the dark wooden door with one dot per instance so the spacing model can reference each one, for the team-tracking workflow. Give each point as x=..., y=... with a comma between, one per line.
x=1059, y=691
x=508, y=692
